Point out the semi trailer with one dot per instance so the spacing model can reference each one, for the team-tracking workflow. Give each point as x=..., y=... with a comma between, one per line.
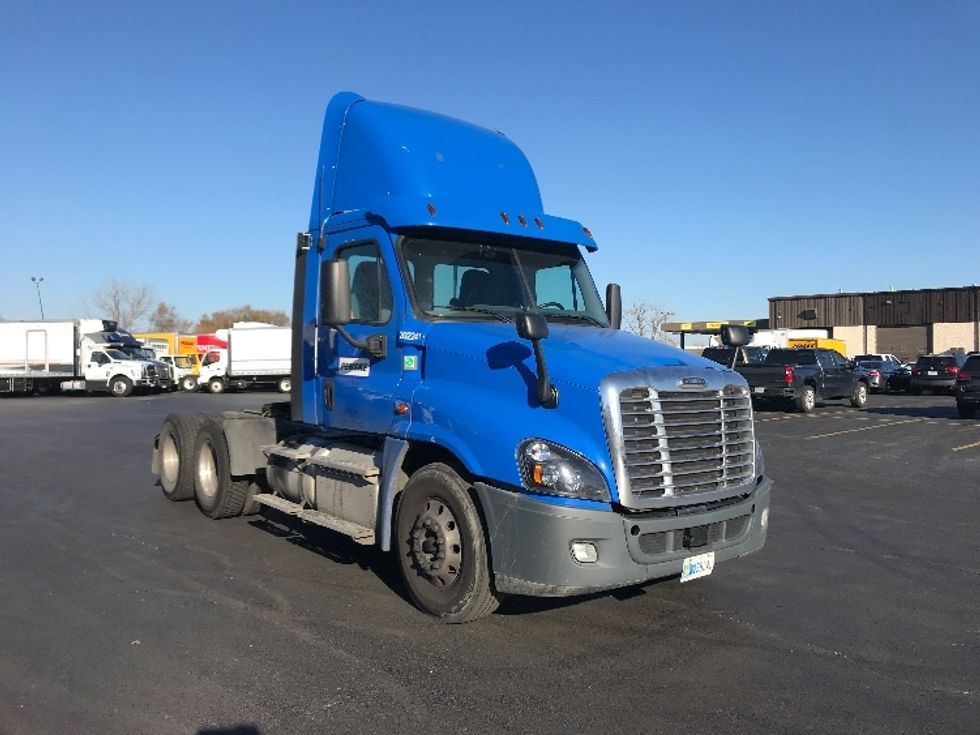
x=462, y=398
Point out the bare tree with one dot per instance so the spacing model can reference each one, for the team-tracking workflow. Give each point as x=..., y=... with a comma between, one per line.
x=224, y=319
x=166, y=319
x=646, y=319
x=125, y=303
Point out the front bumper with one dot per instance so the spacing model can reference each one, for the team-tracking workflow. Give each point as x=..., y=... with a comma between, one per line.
x=530, y=541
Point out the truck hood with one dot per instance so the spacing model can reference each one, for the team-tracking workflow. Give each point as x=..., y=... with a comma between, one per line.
x=477, y=393
x=575, y=355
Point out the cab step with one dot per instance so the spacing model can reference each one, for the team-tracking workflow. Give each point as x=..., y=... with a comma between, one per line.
x=360, y=534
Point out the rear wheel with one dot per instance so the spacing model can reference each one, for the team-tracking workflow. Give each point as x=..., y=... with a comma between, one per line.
x=806, y=401
x=441, y=549
x=860, y=395
x=218, y=495
x=216, y=385
x=966, y=410
x=285, y=385
x=176, y=452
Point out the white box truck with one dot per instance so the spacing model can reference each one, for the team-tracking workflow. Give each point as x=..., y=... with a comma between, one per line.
x=75, y=354
x=256, y=357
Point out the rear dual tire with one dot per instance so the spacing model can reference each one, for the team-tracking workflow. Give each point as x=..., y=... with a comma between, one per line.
x=176, y=451
x=218, y=494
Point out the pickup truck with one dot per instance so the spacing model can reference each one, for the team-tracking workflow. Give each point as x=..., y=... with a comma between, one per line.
x=804, y=376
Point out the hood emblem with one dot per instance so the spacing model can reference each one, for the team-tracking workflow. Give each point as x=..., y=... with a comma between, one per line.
x=692, y=382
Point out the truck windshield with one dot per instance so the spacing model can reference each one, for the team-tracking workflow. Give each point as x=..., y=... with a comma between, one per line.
x=493, y=279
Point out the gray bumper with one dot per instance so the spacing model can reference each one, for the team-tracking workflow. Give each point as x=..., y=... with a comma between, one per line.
x=530, y=542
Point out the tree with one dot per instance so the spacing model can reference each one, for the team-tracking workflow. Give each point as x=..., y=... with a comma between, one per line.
x=646, y=319
x=224, y=319
x=166, y=319
x=124, y=303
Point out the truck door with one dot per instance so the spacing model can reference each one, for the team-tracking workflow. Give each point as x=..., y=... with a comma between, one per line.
x=97, y=369
x=359, y=390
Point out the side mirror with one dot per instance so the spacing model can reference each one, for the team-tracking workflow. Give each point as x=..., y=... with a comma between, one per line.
x=532, y=326
x=735, y=335
x=335, y=292
x=614, y=305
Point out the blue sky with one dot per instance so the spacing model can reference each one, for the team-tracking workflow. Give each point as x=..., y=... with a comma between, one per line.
x=721, y=152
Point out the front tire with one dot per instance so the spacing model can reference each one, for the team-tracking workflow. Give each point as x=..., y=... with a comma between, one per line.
x=218, y=495
x=188, y=383
x=441, y=548
x=120, y=386
x=216, y=385
x=285, y=385
x=860, y=395
x=807, y=400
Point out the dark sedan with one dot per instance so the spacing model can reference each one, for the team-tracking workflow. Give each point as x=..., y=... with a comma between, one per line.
x=878, y=373
x=967, y=388
x=936, y=373
x=900, y=380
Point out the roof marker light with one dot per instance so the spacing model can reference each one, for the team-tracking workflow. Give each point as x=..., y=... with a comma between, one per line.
x=505, y=218
x=539, y=223
x=432, y=209
x=588, y=233
x=522, y=219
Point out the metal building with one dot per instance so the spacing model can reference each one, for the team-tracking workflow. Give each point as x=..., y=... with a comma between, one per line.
x=906, y=323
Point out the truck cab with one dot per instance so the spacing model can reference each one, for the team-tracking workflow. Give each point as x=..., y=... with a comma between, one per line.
x=461, y=395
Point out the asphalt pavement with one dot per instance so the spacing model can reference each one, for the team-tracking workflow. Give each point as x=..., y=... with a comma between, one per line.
x=121, y=612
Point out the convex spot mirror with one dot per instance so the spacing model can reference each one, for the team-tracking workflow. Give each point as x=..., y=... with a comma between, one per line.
x=532, y=326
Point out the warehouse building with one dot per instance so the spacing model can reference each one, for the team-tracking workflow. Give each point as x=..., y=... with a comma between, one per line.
x=905, y=323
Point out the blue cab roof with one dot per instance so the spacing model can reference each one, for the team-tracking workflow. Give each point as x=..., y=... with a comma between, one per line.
x=414, y=169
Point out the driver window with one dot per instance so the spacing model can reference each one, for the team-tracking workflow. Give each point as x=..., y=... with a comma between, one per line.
x=370, y=290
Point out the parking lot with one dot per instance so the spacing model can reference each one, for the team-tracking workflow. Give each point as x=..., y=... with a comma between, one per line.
x=121, y=612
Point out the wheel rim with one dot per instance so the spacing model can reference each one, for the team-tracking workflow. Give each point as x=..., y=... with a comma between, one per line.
x=436, y=544
x=207, y=472
x=118, y=387
x=809, y=399
x=169, y=462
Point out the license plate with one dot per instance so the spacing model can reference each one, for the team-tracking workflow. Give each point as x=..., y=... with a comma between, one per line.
x=759, y=389
x=697, y=566
x=931, y=372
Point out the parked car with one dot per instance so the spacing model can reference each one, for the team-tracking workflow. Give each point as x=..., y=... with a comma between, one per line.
x=936, y=373
x=878, y=372
x=900, y=381
x=967, y=387
x=883, y=356
x=801, y=377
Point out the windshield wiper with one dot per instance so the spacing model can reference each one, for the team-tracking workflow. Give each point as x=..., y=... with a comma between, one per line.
x=481, y=310
x=577, y=316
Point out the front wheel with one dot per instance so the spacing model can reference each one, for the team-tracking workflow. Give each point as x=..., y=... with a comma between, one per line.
x=441, y=548
x=285, y=385
x=860, y=395
x=188, y=383
x=216, y=385
x=806, y=401
x=120, y=386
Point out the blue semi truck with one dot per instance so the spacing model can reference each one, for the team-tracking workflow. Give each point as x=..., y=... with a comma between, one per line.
x=461, y=396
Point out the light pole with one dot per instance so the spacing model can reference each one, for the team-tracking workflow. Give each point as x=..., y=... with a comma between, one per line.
x=37, y=284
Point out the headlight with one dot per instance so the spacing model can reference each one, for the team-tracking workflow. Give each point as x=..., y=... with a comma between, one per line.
x=553, y=470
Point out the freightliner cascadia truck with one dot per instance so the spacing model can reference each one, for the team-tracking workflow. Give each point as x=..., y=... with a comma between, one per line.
x=461, y=397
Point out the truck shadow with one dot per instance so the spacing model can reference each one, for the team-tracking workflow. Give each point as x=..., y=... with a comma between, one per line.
x=520, y=605
x=331, y=545
x=924, y=412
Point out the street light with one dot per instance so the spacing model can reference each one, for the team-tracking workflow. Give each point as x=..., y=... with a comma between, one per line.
x=37, y=284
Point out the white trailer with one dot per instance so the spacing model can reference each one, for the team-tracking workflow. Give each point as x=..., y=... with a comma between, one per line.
x=256, y=357
x=76, y=354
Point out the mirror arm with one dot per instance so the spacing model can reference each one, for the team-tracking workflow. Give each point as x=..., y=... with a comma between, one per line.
x=547, y=393
x=375, y=345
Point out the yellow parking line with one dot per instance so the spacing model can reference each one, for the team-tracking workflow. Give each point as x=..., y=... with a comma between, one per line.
x=863, y=428
x=966, y=446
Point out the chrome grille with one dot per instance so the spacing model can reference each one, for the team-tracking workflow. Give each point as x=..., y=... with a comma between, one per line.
x=679, y=442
